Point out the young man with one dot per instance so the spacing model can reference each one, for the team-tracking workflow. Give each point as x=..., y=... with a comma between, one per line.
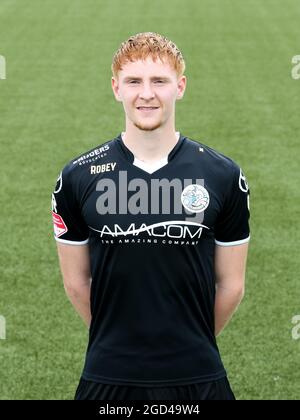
x=152, y=235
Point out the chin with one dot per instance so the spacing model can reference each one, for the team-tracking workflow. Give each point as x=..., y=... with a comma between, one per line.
x=147, y=127
x=147, y=124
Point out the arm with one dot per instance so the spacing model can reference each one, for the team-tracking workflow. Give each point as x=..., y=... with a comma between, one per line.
x=230, y=268
x=75, y=268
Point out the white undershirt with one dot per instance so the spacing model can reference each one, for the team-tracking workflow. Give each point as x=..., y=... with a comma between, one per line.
x=150, y=167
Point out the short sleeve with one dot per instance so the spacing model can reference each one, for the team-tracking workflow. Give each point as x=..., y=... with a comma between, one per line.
x=232, y=227
x=69, y=226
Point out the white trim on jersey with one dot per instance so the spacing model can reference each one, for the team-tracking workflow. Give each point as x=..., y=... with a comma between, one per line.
x=242, y=241
x=65, y=241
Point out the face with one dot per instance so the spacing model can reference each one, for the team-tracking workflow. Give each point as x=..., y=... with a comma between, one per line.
x=148, y=91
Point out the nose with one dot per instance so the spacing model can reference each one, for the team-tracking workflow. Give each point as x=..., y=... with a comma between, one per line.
x=146, y=92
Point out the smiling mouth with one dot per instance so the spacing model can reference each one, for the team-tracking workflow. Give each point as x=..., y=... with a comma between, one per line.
x=147, y=108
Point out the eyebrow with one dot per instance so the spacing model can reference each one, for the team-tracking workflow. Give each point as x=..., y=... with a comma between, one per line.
x=126, y=79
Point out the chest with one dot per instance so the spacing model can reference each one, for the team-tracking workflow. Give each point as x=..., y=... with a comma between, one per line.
x=182, y=204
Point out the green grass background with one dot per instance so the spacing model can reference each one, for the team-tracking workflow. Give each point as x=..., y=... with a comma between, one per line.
x=57, y=102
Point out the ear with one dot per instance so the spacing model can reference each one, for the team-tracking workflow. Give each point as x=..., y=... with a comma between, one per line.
x=181, y=86
x=115, y=88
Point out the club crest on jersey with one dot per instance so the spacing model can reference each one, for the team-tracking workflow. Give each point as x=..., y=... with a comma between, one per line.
x=195, y=198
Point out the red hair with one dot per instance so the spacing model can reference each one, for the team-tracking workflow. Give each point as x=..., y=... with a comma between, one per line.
x=144, y=44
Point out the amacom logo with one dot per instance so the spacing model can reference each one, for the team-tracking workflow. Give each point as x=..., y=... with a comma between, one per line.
x=176, y=229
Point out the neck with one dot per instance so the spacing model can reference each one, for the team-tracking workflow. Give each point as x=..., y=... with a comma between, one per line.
x=150, y=146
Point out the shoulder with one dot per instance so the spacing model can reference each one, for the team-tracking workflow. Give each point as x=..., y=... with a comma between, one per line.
x=218, y=162
x=78, y=164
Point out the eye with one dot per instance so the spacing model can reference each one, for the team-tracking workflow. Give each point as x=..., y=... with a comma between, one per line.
x=159, y=81
x=133, y=81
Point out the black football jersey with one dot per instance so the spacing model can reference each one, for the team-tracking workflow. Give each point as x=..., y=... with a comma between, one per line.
x=152, y=236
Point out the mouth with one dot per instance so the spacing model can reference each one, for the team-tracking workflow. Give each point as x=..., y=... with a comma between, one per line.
x=147, y=108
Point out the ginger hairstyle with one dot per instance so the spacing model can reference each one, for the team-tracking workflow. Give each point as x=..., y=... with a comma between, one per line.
x=144, y=44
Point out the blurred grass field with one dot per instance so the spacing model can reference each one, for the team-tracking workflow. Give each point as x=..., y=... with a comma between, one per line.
x=57, y=102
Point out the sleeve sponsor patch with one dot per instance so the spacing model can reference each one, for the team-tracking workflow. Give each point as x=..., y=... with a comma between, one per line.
x=59, y=225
